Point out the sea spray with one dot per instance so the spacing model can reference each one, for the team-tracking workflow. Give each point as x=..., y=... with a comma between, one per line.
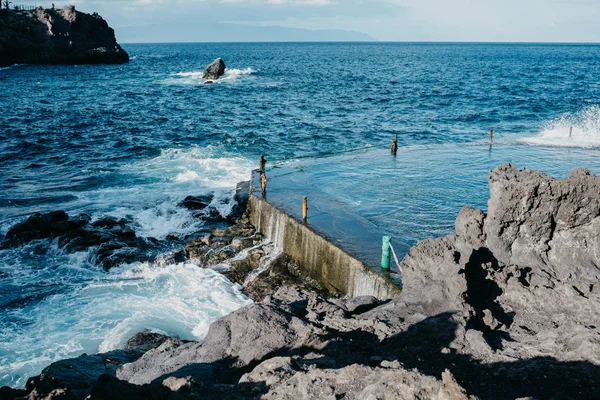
x=580, y=129
x=195, y=77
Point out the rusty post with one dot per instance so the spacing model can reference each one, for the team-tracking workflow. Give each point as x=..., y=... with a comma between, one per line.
x=304, y=208
x=491, y=136
x=394, y=148
x=262, y=165
x=263, y=183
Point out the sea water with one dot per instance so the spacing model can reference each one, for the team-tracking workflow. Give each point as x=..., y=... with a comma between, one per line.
x=133, y=140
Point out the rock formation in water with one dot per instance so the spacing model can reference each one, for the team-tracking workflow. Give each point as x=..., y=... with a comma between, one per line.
x=214, y=70
x=506, y=308
x=57, y=36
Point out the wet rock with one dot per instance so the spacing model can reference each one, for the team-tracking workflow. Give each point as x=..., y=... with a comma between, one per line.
x=37, y=226
x=172, y=257
x=110, y=223
x=147, y=341
x=197, y=202
x=214, y=70
x=242, y=195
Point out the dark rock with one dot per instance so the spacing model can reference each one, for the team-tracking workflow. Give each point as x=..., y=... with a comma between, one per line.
x=109, y=223
x=109, y=387
x=242, y=194
x=147, y=341
x=57, y=36
x=197, y=202
x=76, y=376
x=214, y=70
x=38, y=226
x=173, y=257
x=83, y=239
x=7, y=393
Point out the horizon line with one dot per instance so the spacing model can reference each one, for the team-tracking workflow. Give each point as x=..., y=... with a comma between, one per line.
x=369, y=42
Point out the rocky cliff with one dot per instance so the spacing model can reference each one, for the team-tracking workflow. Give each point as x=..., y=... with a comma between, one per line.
x=506, y=308
x=57, y=36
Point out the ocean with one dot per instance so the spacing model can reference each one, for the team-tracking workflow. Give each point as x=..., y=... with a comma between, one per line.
x=132, y=141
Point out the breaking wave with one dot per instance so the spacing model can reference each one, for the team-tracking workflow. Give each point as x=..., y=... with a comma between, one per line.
x=195, y=77
x=581, y=129
x=102, y=312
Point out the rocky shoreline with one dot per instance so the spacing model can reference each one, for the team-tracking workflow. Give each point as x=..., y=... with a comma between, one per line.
x=506, y=308
x=57, y=36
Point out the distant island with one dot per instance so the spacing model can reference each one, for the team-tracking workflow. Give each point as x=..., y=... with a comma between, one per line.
x=56, y=36
x=227, y=32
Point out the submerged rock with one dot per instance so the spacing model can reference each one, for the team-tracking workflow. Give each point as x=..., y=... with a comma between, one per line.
x=214, y=70
x=57, y=36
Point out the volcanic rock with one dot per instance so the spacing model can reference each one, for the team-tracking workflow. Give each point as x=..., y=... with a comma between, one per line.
x=197, y=202
x=42, y=226
x=214, y=70
x=479, y=317
x=57, y=36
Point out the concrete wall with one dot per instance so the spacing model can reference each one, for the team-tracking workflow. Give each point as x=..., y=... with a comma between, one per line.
x=321, y=260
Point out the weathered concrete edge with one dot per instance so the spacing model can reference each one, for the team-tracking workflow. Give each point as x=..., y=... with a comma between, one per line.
x=321, y=260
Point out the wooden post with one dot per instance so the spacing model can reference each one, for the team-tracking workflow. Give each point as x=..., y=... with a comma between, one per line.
x=570, y=132
x=262, y=165
x=263, y=183
x=491, y=135
x=304, y=208
x=394, y=148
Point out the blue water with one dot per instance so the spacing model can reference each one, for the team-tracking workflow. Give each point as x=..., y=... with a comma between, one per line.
x=133, y=140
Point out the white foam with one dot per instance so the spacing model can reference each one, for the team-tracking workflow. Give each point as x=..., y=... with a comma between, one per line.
x=154, y=206
x=581, y=129
x=195, y=77
x=9, y=67
x=98, y=316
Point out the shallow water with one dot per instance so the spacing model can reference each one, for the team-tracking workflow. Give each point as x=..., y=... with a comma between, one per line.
x=133, y=140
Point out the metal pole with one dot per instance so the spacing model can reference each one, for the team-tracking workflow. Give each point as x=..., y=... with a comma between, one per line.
x=385, y=252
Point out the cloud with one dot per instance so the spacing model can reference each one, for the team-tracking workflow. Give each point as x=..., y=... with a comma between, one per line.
x=404, y=20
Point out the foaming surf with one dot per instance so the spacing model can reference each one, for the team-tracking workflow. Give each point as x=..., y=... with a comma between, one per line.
x=58, y=305
x=195, y=77
x=154, y=207
x=100, y=315
x=581, y=129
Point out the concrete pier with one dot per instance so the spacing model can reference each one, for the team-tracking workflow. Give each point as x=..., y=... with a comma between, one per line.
x=309, y=246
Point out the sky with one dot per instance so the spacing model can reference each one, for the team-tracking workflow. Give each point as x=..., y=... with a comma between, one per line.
x=384, y=20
